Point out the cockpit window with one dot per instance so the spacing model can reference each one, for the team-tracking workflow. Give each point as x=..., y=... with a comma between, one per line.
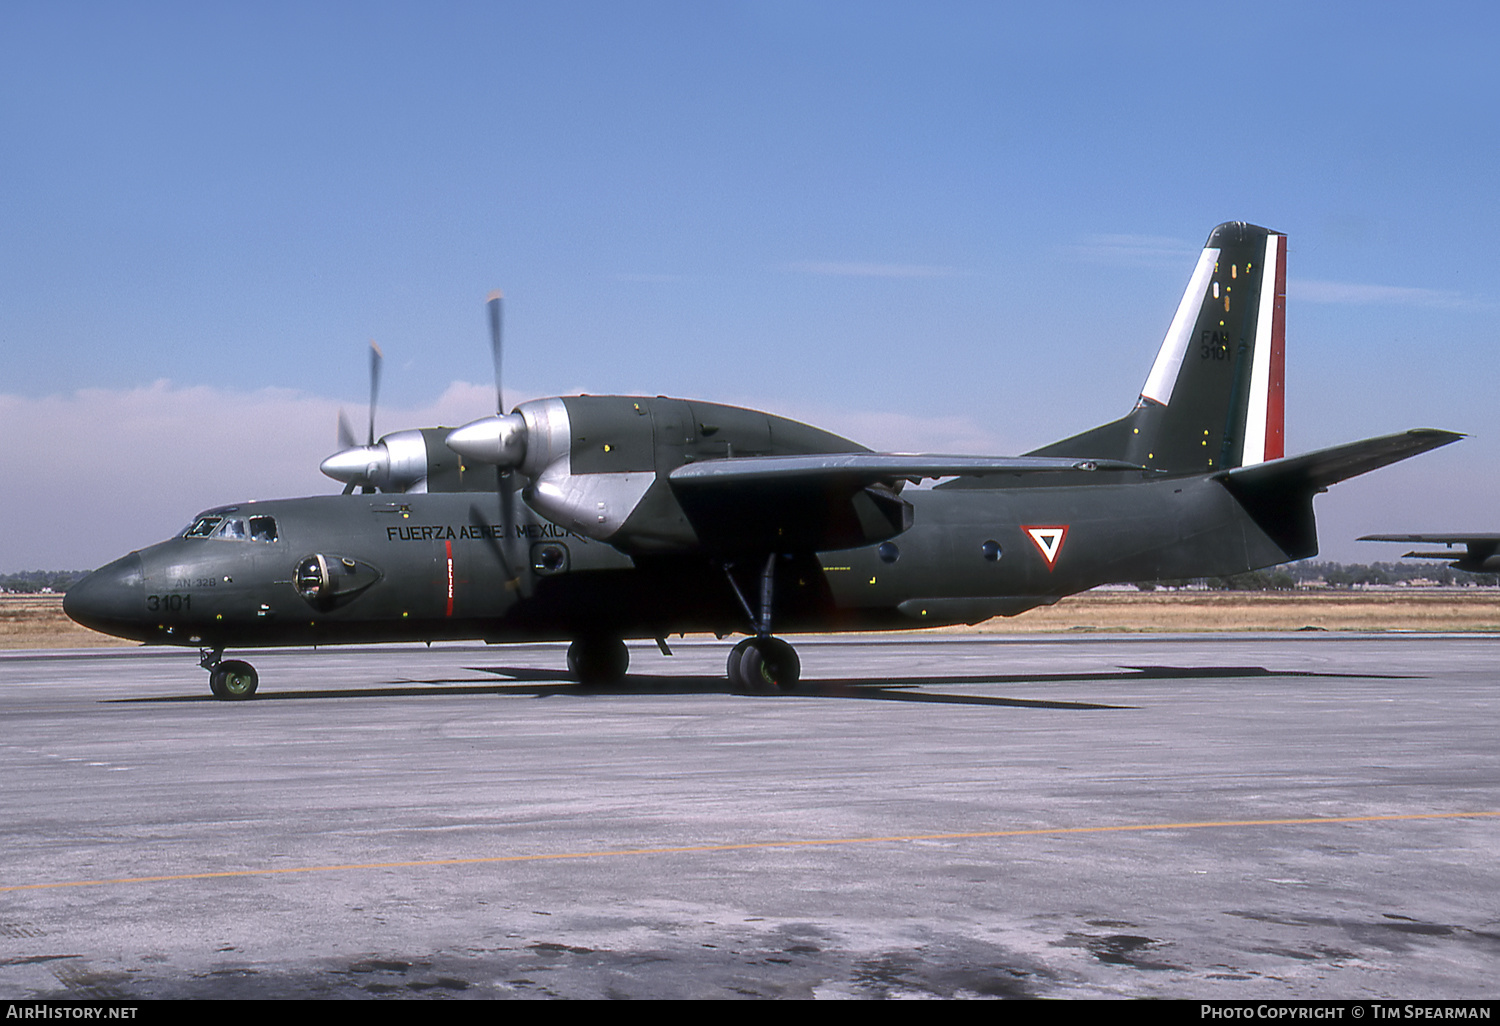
x=261, y=529
x=203, y=527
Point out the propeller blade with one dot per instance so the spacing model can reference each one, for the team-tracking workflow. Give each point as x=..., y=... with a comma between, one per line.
x=346, y=433
x=516, y=562
x=376, y=358
x=504, y=448
x=493, y=307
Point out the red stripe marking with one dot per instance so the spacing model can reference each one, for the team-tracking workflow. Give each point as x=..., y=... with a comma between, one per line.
x=1276, y=394
x=449, y=545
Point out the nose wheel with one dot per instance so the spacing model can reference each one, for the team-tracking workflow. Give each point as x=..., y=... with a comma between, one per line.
x=231, y=680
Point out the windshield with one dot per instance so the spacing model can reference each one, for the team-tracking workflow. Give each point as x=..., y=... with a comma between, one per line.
x=202, y=527
x=258, y=529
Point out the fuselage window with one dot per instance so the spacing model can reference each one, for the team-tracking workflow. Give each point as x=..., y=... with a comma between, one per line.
x=203, y=527
x=263, y=529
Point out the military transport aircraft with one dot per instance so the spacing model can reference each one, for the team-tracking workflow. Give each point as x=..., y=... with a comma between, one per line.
x=1481, y=553
x=595, y=519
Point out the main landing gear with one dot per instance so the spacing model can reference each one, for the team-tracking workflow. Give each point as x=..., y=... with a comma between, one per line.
x=231, y=680
x=762, y=662
x=598, y=661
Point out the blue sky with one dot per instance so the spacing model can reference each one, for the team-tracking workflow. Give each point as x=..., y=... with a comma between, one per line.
x=955, y=227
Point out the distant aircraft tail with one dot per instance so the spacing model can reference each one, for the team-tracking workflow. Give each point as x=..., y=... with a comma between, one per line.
x=1215, y=397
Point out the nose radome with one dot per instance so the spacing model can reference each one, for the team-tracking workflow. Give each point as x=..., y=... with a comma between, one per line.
x=109, y=599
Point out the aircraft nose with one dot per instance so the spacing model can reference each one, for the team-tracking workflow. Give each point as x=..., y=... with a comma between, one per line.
x=110, y=599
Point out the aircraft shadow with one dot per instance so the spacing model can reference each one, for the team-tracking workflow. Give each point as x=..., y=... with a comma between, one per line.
x=540, y=683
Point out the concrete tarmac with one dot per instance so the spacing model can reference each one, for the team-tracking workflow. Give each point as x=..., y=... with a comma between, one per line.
x=1227, y=817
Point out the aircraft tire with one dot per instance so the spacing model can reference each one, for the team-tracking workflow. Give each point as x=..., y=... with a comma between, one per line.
x=598, y=661
x=732, y=666
x=233, y=680
x=769, y=664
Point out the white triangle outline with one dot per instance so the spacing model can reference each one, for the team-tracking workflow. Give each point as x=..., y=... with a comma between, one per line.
x=1048, y=541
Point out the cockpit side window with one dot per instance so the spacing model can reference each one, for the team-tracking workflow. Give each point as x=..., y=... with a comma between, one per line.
x=263, y=529
x=203, y=527
x=234, y=528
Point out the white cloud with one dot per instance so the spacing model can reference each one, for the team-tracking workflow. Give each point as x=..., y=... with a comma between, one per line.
x=869, y=270
x=893, y=430
x=96, y=473
x=635, y=277
x=1313, y=291
x=1136, y=251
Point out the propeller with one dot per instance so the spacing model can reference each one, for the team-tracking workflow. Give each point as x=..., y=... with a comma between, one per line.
x=515, y=427
x=376, y=359
x=346, y=433
x=499, y=441
x=361, y=465
x=492, y=307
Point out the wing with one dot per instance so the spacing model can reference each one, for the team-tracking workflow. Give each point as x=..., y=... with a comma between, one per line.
x=827, y=501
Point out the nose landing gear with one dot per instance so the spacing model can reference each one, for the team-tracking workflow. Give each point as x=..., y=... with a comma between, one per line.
x=231, y=680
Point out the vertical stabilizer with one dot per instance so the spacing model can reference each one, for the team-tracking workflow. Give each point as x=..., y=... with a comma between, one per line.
x=1215, y=396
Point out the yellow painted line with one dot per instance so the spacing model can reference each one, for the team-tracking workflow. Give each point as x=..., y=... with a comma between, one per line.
x=824, y=842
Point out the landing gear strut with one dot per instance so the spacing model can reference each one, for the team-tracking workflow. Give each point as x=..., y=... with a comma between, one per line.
x=762, y=662
x=598, y=661
x=231, y=680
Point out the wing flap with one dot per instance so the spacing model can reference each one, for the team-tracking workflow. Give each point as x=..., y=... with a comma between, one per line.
x=879, y=467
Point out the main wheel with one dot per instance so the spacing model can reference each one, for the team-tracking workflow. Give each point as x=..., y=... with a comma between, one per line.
x=233, y=680
x=598, y=661
x=766, y=664
x=732, y=666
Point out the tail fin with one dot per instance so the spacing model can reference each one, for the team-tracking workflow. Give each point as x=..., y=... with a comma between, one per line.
x=1215, y=397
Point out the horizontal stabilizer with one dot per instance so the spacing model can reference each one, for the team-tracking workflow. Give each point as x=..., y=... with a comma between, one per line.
x=1317, y=470
x=1481, y=552
x=1436, y=539
x=1278, y=494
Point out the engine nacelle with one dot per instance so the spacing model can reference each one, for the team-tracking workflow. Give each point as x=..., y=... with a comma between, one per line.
x=598, y=465
x=596, y=502
x=408, y=462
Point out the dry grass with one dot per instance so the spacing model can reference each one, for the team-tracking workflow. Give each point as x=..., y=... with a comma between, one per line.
x=1403, y=609
x=37, y=621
